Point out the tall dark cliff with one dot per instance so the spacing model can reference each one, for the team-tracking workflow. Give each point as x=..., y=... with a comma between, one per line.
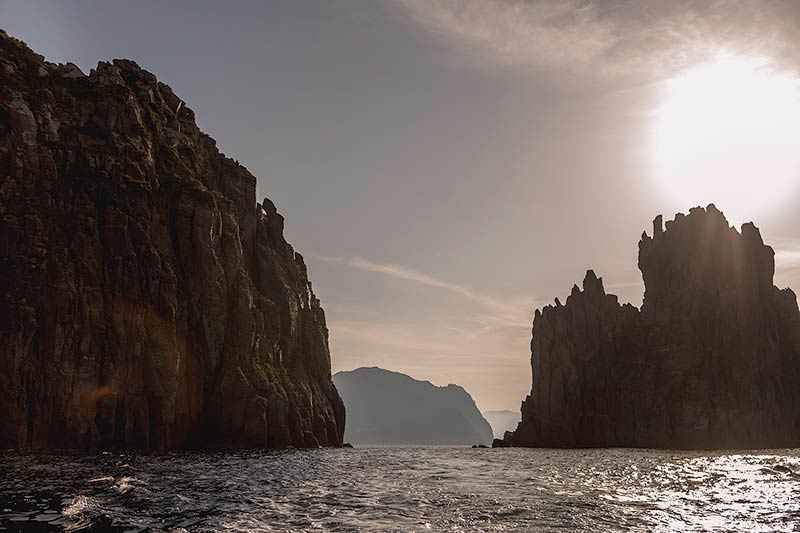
x=712, y=359
x=146, y=299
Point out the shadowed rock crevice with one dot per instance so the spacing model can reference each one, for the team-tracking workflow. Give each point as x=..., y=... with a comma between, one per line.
x=146, y=299
x=712, y=359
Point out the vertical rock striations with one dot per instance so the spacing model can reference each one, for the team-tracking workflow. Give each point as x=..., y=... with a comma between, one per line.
x=146, y=299
x=712, y=359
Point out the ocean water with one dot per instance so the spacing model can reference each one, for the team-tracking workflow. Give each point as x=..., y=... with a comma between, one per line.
x=402, y=489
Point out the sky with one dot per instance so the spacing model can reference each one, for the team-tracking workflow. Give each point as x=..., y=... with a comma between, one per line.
x=448, y=166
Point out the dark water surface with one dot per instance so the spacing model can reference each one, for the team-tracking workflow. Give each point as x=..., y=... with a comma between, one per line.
x=402, y=489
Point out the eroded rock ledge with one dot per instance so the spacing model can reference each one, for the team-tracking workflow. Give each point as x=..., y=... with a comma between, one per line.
x=712, y=359
x=146, y=299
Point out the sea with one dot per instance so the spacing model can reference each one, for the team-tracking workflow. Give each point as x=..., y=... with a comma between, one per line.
x=448, y=489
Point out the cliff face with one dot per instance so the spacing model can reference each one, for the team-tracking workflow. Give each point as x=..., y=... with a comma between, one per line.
x=146, y=299
x=712, y=359
x=385, y=407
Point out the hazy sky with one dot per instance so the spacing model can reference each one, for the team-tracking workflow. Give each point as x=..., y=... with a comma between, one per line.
x=444, y=166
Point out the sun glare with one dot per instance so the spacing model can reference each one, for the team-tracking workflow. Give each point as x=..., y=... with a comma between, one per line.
x=728, y=132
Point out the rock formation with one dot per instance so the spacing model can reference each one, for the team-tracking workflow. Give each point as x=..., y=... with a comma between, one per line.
x=712, y=359
x=146, y=299
x=385, y=407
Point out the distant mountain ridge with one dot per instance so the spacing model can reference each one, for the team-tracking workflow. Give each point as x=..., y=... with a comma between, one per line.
x=385, y=407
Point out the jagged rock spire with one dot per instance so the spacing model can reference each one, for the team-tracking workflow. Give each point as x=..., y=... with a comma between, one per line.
x=711, y=361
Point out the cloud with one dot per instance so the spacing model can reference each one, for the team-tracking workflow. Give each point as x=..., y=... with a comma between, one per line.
x=481, y=336
x=407, y=274
x=646, y=39
x=539, y=33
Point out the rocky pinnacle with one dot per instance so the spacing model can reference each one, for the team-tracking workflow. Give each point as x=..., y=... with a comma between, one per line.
x=712, y=359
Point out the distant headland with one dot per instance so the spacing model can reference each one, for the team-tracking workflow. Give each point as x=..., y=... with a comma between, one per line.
x=385, y=407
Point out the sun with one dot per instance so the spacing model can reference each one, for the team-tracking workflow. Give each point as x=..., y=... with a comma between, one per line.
x=728, y=133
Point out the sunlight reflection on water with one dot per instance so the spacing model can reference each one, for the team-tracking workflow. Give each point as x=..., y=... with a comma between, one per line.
x=402, y=489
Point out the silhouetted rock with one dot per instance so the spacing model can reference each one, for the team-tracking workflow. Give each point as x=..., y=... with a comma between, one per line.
x=712, y=360
x=501, y=421
x=146, y=299
x=385, y=407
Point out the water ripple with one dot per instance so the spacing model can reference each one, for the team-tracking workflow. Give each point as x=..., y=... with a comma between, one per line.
x=401, y=489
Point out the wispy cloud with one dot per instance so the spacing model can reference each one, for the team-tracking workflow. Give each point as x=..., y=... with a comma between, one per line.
x=612, y=38
x=462, y=343
x=414, y=276
x=512, y=32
